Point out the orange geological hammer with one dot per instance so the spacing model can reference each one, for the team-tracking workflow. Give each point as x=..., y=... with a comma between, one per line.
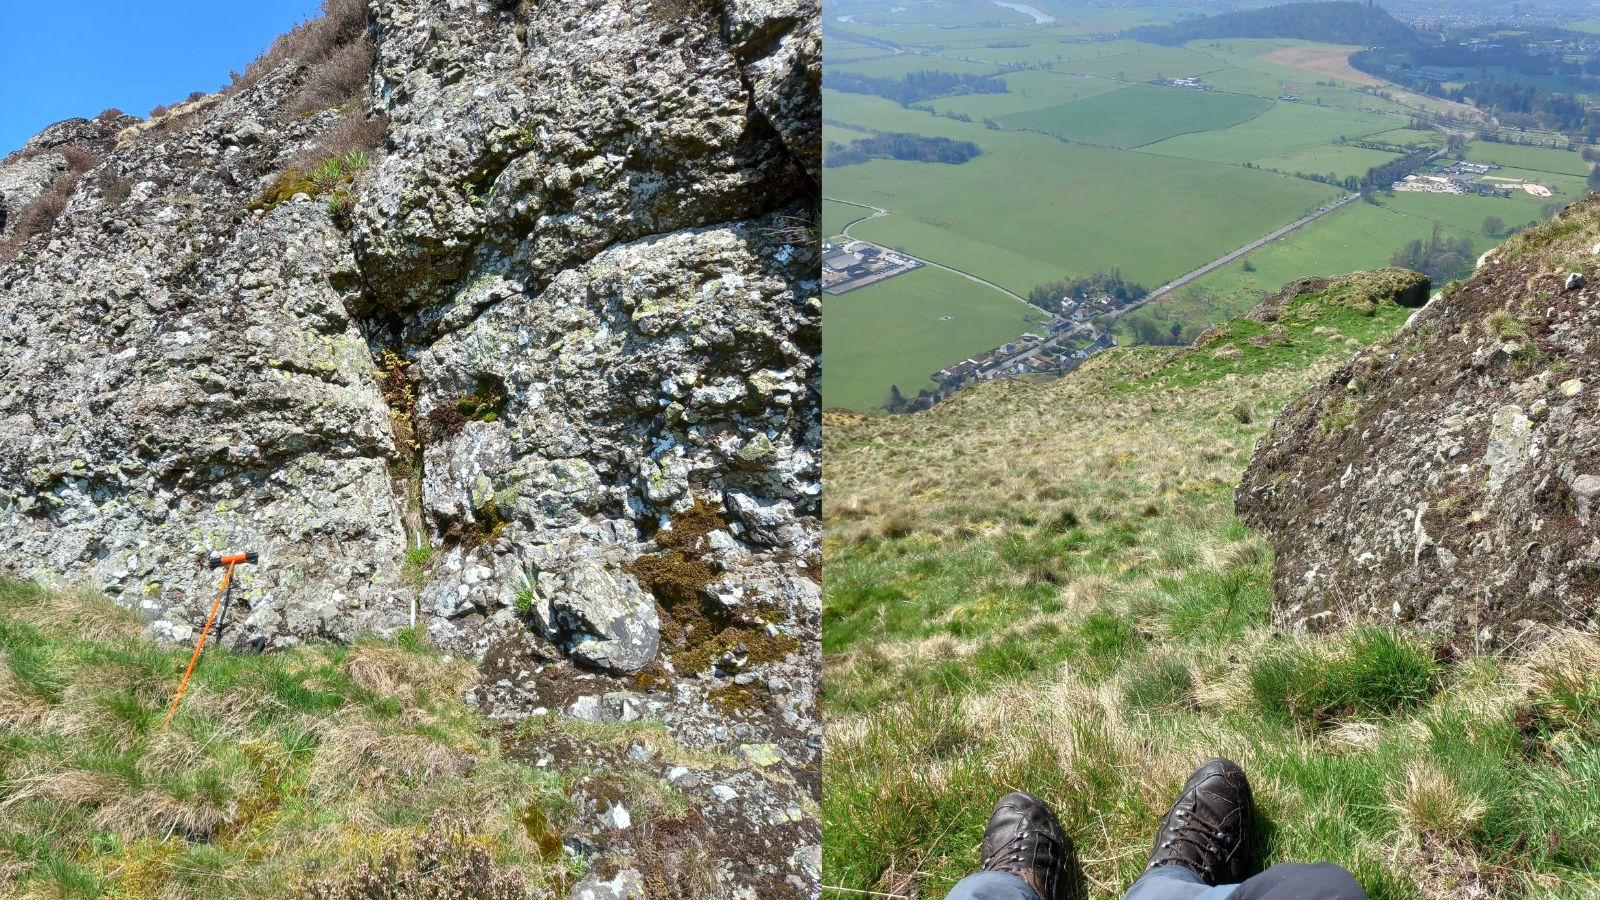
x=224, y=598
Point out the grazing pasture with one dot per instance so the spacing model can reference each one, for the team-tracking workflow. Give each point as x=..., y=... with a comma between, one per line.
x=1140, y=114
x=896, y=332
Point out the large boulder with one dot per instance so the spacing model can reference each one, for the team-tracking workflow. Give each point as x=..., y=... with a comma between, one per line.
x=1444, y=480
x=564, y=299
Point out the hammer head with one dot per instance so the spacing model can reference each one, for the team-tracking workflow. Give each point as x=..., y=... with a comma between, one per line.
x=218, y=560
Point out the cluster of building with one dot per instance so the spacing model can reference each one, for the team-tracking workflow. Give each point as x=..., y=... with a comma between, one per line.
x=1030, y=354
x=856, y=264
x=1458, y=178
x=1193, y=84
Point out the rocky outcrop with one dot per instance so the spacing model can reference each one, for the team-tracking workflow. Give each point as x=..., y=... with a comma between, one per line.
x=478, y=347
x=1446, y=479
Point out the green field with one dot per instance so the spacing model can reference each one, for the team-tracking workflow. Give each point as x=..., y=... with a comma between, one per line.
x=1086, y=166
x=1031, y=89
x=894, y=332
x=1334, y=158
x=1032, y=209
x=1356, y=238
x=1285, y=128
x=1536, y=159
x=1139, y=114
x=835, y=216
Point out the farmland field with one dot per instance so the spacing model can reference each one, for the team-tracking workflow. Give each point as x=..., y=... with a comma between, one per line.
x=1031, y=209
x=835, y=216
x=1139, y=115
x=1537, y=159
x=1085, y=165
x=1325, y=158
x=895, y=333
x=1358, y=237
x=1285, y=128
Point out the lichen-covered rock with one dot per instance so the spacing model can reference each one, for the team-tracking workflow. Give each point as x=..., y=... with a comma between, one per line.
x=565, y=296
x=1445, y=479
x=24, y=180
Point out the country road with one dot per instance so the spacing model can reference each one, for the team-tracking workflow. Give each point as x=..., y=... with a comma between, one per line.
x=1154, y=295
x=1221, y=261
x=1112, y=316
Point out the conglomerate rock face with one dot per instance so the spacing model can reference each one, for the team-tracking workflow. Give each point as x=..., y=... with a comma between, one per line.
x=569, y=301
x=1448, y=480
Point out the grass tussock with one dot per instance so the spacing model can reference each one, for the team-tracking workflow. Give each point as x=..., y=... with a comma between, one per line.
x=320, y=771
x=1044, y=587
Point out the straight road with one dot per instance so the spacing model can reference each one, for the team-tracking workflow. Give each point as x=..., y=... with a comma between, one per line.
x=1221, y=261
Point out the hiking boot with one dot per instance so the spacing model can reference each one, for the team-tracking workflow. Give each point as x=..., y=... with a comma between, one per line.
x=1024, y=839
x=1210, y=827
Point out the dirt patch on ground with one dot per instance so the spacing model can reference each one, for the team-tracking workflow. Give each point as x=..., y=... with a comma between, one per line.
x=1334, y=63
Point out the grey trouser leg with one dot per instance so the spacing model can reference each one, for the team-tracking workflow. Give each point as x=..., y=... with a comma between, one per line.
x=1175, y=883
x=991, y=886
x=1298, y=881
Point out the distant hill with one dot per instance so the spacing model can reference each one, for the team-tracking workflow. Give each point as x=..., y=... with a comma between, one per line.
x=1342, y=22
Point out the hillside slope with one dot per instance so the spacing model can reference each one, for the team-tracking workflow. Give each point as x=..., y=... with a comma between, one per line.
x=1332, y=21
x=1045, y=587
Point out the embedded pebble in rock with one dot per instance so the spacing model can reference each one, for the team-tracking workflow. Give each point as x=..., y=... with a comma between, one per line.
x=573, y=298
x=1453, y=491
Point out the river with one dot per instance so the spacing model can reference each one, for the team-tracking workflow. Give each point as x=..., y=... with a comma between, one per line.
x=1039, y=18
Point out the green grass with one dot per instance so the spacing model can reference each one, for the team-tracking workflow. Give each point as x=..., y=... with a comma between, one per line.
x=1139, y=114
x=1034, y=586
x=1356, y=238
x=277, y=770
x=836, y=216
x=1031, y=209
x=1340, y=160
x=1537, y=159
x=1030, y=90
x=893, y=332
x=1285, y=128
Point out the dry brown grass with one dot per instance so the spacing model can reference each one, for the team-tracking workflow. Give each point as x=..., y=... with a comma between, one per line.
x=333, y=81
x=311, y=43
x=41, y=214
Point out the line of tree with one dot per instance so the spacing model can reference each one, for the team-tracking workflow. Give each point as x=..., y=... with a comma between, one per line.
x=899, y=145
x=1339, y=22
x=1053, y=295
x=1382, y=178
x=1497, y=89
x=1440, y=258
x=913, y=86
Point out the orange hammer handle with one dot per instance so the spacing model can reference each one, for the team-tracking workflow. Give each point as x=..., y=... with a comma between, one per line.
x=184, y=685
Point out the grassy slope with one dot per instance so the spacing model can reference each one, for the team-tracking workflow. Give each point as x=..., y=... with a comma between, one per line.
x=1043, y=587
x=280, y=774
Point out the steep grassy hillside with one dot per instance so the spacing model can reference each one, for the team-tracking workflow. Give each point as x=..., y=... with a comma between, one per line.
x=327, y=772
x=1044, y=587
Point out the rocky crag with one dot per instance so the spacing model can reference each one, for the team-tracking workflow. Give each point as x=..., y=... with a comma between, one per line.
x=1447, y=479
x=499, y=318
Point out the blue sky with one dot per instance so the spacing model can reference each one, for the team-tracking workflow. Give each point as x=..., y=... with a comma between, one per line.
x=64, y=59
